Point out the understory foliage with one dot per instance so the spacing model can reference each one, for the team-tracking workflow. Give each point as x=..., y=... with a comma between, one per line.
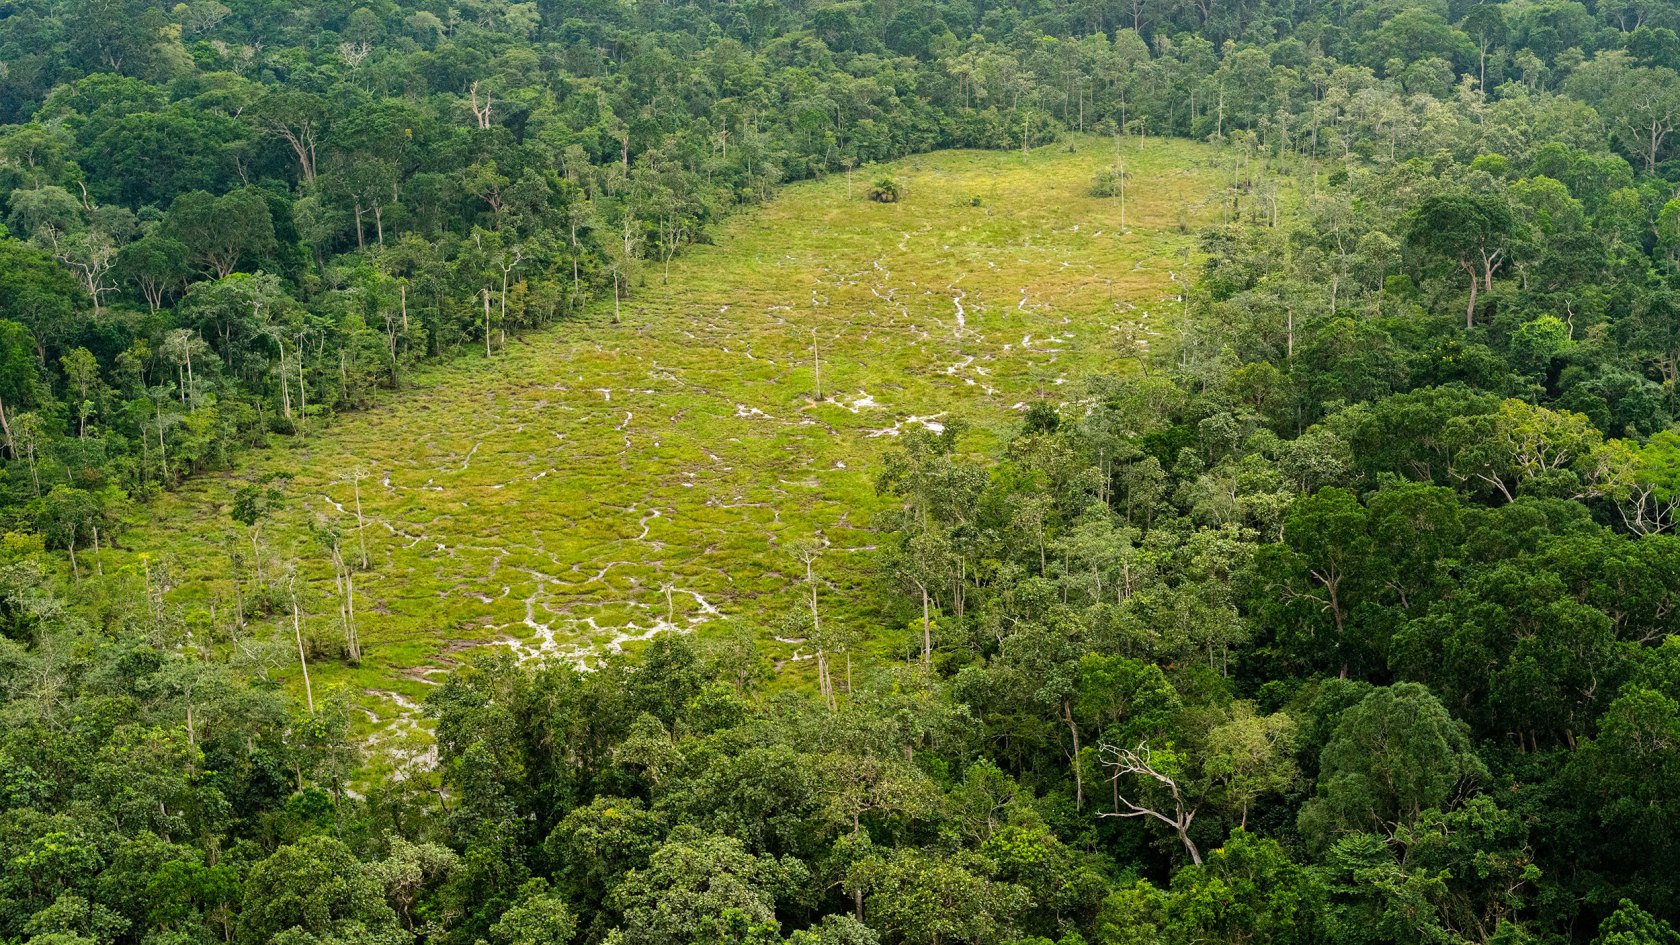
x=1340, y=612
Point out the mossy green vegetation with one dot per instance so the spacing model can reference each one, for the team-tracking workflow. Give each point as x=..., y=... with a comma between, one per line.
x=612, y=478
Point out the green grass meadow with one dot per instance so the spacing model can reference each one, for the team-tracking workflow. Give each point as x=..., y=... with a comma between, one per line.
x=547, y=499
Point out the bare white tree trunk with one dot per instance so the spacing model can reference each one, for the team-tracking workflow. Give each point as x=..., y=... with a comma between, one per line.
x=1137, y=761
x=303, y=657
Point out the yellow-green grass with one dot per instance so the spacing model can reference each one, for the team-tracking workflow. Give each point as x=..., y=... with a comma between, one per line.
x=543, y=499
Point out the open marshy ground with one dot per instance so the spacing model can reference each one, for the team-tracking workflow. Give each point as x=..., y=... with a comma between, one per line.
x=602, y=482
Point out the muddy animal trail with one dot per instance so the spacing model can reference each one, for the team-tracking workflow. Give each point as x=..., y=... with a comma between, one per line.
x=606, y=482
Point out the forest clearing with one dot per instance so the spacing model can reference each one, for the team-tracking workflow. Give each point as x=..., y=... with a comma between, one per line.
x=601, y=482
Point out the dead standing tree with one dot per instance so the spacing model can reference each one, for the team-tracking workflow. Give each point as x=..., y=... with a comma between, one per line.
x=1140, y=762
x=481, y=114
x=806, y=552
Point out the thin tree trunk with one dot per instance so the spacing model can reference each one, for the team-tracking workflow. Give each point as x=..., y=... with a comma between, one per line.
x=927, y=629
x=1189, y=845
x=350, y=616
x=361, y=526
x=303, y=657
x=1470, y=310
x=256, y=558
x=1078, y=772
x=238, y=597
x=6, y=428
x=303, y=387
x=163, y=453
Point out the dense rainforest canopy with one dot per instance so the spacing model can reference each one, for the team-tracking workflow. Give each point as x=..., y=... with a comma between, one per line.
x=1341, y=614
